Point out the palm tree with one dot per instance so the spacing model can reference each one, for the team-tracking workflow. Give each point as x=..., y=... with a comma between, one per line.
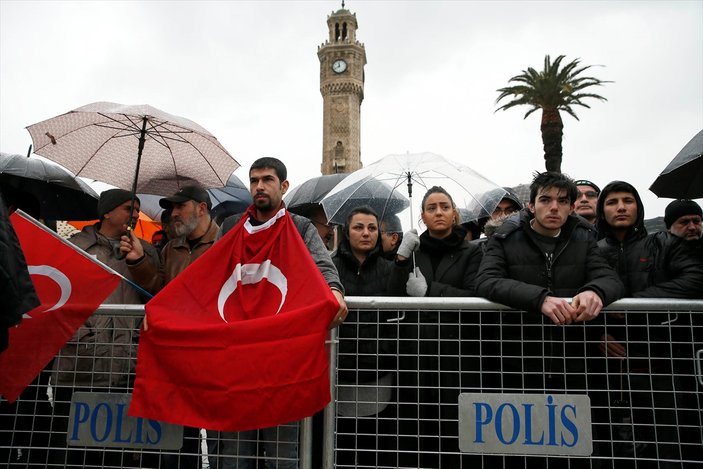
x=551, y=90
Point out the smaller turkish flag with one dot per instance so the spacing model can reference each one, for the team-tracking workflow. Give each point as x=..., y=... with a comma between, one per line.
x=70, y=285
x=237, y=340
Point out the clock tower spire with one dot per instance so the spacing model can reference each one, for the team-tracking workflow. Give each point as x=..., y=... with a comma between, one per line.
x=342, y=60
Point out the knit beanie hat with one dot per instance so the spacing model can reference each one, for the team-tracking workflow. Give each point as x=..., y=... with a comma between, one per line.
x=113, y=198
x=679, y=208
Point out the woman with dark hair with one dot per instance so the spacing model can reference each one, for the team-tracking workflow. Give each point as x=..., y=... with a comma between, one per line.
x=366, y=349
x=439, y=262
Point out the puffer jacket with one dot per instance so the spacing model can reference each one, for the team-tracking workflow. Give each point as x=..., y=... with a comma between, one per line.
x=175, y=257
x=658, y=265
x=100, y=352
x=367, y=339
x=517, y=273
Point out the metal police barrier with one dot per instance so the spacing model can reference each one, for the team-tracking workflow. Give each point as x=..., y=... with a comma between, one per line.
x=418, y=382
x=465, y=383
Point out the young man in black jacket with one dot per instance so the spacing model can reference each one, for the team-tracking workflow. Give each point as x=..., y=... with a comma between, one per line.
x=534, y=260
x=652, y=349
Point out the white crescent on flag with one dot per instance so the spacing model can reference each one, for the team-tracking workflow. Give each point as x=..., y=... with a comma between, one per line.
x=57, y=276
x=249, y=274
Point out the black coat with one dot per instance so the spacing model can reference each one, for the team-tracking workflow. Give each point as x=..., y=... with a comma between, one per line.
x=455, y=274
x=517, y=273
x=367, y=341
x=658, y=265
x=16, y=288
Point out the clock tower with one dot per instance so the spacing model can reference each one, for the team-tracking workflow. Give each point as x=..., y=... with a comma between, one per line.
x=342, y=60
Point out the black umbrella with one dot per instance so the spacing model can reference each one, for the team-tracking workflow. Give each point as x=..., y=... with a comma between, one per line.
x=46, y=190
x=304, y=198
x=683, y=177
x=233, y=198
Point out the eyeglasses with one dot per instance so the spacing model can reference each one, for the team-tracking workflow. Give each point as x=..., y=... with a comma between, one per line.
x=329, y=226
x=588, y=194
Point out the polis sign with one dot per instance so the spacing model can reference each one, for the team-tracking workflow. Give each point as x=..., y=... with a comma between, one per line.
x=100, y=419
x=539, y=424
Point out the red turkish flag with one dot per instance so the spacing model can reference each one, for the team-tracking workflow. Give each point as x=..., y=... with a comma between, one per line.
x=70, y=285
x=237, y=340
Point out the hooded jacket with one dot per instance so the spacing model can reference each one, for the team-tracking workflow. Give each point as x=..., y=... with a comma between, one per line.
x=658, y=265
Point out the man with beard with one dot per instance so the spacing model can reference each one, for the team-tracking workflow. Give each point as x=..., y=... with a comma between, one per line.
x=268, y=182
x=194, y=233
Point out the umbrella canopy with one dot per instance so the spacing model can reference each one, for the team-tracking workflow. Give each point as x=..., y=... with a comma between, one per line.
x=138, y=148
x=46, y=190
x=414, y=174
x=305, y=197
x=232, y=198
x=683, y=177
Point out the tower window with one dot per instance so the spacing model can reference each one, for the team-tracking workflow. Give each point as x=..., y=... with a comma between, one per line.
x=336, y=31
x=344, y=30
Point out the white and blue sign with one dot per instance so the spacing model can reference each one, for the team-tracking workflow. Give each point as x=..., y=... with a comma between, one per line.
x=100, y=419
x=544, y=424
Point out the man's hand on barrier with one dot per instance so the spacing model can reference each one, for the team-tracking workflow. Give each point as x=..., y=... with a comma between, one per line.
x=611, y=348
x=588, y=305
x=341, y=312
x=558, y=310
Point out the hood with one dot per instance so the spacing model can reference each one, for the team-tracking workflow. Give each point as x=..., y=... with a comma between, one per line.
x=605, y=230
x=511, y=195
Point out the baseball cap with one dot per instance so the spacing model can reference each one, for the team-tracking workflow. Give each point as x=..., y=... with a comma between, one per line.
x=586, y=182
x=185, y=193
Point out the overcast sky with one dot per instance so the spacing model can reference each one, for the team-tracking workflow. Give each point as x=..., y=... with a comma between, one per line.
x=249, y=73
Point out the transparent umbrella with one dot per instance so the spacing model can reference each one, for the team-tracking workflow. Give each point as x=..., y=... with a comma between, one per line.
x=391, y=178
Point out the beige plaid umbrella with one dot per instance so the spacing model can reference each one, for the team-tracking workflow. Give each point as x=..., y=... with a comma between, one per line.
x=137, y=148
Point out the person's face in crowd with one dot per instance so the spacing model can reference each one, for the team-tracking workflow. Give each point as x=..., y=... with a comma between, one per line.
x=116, y=219
x=438, y=215
x=551, y=209
x=586, y=202
x=324, y=228
x=184, y=217
x=389, y=239
x=620, y=210
x=505, y=207
x=157, y=238
x=688, y=227
x=266, y=189
x=363, y=233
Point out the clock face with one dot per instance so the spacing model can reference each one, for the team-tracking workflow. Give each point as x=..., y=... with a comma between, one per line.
x=339, y=66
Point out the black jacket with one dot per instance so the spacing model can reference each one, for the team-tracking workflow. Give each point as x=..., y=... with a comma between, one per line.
x=367, y=340
x=658, y=265
x=16, y=288
x=455, y=273
x=516, y=273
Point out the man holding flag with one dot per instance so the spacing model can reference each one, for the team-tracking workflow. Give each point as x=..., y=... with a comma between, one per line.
x=237, y=341
x=99, y=356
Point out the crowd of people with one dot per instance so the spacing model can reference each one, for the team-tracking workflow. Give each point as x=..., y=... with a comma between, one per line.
x=559, y=259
